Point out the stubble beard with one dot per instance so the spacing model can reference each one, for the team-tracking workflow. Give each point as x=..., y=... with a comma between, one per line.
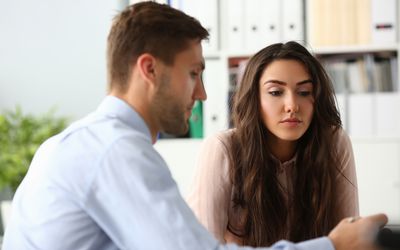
x=168, y=110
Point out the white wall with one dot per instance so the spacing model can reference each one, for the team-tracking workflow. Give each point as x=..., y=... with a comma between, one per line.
x=53, y=54
x=180, y=155
x=378, y=174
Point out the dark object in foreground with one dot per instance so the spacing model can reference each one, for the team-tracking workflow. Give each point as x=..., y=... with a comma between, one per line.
x=389, y=237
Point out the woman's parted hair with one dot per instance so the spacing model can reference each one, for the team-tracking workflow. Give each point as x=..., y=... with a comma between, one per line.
x=254, y=173
x=148, y=27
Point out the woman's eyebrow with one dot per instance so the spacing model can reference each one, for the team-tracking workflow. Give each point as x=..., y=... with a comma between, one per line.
x=284, y=83
x=275, y=81
x=304, y=82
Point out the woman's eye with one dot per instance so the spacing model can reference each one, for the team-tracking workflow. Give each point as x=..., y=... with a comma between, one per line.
x=275, y=93
x=304, y=93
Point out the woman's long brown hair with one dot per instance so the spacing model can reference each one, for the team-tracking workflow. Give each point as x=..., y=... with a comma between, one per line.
x=254, y=173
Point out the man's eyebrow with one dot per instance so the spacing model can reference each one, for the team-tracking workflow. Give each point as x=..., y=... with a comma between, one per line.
x=201, y=64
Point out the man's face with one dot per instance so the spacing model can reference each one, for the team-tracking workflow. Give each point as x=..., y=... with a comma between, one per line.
x=179, y=86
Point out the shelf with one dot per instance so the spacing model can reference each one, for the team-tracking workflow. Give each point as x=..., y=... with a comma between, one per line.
x=324, y=50
x=373, y=139
x=211, y=55
x=353, y=49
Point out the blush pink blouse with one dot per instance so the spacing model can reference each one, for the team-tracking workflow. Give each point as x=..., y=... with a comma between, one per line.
x=211, y=191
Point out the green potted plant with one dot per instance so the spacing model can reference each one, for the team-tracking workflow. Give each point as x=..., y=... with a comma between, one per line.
x=20, y=136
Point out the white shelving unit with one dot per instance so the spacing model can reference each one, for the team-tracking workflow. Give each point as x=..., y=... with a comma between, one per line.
x=375, y=135
x=373, y=123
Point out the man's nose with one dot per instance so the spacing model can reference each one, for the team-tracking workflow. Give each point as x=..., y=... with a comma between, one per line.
x=200, y=91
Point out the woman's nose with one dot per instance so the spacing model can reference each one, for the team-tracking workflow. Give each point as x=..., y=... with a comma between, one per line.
x=291, y=104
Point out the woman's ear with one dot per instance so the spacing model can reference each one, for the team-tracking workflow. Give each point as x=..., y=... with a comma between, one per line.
x=146, y=66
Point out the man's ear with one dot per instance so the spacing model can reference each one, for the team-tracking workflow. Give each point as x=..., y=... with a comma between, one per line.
x=146, y=65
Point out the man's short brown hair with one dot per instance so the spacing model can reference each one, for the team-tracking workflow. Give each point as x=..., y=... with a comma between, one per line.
x=147, y=27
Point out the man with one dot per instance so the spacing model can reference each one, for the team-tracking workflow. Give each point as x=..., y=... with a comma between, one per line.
x=101, y=185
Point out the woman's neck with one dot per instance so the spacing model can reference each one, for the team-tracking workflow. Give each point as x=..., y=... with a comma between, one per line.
x=281, y=149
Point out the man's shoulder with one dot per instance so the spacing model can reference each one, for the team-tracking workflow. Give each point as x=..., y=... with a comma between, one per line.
x=102, y=130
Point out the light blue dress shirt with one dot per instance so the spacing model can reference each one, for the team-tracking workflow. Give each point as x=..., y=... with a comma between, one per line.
x=101, y=185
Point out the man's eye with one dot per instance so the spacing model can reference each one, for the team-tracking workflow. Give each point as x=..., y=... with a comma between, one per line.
x=275, y=93
x=194, y=74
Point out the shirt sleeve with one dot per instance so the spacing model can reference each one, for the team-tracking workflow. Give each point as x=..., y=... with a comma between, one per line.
x=347, y=195
x=135, y=201
x=137, y=204
x=210, y=193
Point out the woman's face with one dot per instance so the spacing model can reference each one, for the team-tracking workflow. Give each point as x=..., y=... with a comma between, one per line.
x=286, y=96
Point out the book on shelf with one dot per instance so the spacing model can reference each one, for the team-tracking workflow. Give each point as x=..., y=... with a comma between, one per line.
x=352, y=22
x=362, y=73
x=196, y=120
x=337, y=72
x=236, y=69
x=383, y=21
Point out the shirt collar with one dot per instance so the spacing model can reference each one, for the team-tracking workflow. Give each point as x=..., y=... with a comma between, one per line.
x=285, y=164
x=114, y=107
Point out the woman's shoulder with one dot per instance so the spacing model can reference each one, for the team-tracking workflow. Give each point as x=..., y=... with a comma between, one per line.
x=341, y=138
x=221, y=137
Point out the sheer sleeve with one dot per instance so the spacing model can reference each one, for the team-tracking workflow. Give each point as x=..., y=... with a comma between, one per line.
x=347, y=195
x=211, y=189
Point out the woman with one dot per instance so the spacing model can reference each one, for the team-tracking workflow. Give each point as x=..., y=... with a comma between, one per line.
x=286, y=170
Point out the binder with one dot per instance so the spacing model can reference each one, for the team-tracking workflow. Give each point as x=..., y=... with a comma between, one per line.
x=323, y=30
x=387, y=119
x=338, y=73
x=314, y=22
x=175, y=4
x=206, y=12
x=342, y=107
x=361, y=123
x=158, y=1
x=196, y=120
x=262, y=23
x=293, y=20
x=347, y=21
x=363, y=17
x=357, y=76
x=215, y=108
x=235, y=25
x=394, y=69
x=384, y=24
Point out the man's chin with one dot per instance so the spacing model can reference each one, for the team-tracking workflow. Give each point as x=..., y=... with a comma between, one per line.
x=178, y=131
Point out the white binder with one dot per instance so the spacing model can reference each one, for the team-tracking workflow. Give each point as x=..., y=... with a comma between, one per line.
x=158, y=1
x=215, y=109
x=384, y=23
x=342, y=107
x=387, y=118
x=361, y=115
x=293, y=20
x=262, y=23
x=235, y=25
x=206, y=12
